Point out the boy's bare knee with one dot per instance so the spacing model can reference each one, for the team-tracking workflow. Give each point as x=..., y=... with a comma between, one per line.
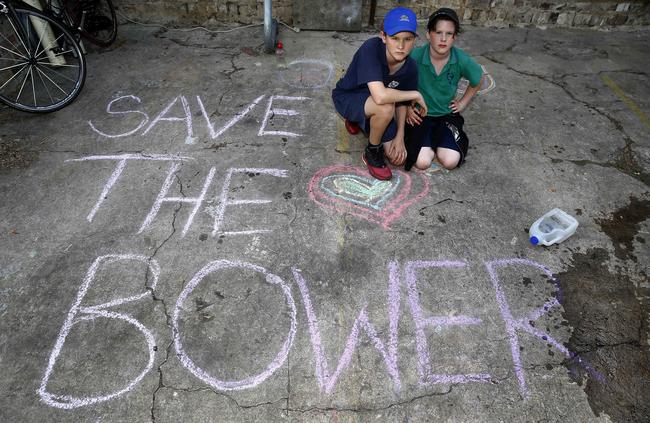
x=448, y=162
x=423, y=163
x=386, y=111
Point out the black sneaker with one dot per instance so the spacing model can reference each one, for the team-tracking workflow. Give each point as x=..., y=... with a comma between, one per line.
x=373, y=157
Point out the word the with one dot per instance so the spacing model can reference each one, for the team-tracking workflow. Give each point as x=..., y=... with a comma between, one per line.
x=196, y=202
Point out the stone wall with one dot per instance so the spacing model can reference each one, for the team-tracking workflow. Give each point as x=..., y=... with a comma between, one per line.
x=586, y=13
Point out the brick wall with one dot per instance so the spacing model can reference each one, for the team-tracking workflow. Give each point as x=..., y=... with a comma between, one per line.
x=586, y=13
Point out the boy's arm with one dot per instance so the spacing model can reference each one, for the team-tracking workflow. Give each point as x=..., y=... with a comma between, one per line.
x=457, y=106
x=396, y=150
x=382, y=95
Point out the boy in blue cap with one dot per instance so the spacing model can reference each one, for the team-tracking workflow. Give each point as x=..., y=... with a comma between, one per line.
x=376, y=89
x=441, y=65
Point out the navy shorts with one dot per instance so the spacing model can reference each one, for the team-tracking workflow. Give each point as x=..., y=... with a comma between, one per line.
x=436, y=132
x=352, y=107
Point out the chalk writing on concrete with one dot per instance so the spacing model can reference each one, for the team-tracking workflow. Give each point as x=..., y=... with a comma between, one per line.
x=183, y=115
x=79, y=313
x=121, y=164
x=421, y=323
x=195, y=202
x=387, y=349
x=347, y=189
x=487, y=84
x=271, y=111
x=224, y=202
x=307, y=73
x=327, y=381
x=279, y=359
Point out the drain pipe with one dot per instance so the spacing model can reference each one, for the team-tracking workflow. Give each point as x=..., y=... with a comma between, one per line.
x=270, y=28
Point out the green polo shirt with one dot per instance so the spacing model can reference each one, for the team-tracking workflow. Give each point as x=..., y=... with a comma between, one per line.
x=439, y=90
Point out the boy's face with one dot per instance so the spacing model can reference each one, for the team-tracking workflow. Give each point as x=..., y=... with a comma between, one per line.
x=442, y=37
x=398, y=46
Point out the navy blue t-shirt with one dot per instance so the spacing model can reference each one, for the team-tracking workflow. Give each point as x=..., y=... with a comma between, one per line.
x=370, y=64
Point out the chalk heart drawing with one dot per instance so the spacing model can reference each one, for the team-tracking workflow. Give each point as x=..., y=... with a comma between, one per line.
x=350, y=190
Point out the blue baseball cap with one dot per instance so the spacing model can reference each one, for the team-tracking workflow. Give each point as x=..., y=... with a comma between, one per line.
x=400, y=19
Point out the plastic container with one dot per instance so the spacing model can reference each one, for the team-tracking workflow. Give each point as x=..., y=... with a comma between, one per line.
x=552, y=228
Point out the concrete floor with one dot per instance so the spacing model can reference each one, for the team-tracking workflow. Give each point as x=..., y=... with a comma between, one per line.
x=196, y=239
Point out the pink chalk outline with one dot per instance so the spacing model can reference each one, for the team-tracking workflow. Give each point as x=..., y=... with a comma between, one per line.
x=391, y=211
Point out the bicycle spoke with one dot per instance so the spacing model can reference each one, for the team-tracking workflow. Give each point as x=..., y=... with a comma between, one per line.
x=45, y=86
x=22, y=86
x=20, y=38
x=31, y=75
x=39, y=42
x=58, y=66
x=12, y=66
x=15, y=75
x=12, y=59
x=38, y=56
x=13, y=45
x=50, y=79
x=58, y=73
x=13, y=52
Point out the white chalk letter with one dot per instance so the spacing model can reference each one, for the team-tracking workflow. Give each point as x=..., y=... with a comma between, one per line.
x=327, y=381
x=161, y=199
x=421, y=322
x=121, y=163
x=239, y=116
x=223, y=200
x=92, y=313
x=109, y=110
x=279, y=359
x=270, y=112
x=187, y=119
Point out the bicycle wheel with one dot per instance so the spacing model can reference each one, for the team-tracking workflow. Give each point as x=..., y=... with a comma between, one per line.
x=95, y=19
x=41, y=65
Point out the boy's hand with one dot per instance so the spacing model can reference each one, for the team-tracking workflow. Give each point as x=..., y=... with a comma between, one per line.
x=420, y=102
x=457, y=106
x=413, y=116
x=396, y=151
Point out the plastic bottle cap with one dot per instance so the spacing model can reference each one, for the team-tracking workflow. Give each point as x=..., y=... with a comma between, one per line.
x=534, y=240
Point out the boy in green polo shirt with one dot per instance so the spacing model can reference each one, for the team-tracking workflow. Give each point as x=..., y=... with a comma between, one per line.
x=440, y=66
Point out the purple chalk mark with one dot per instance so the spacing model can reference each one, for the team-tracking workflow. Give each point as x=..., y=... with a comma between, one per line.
x=78, y=313
x=421, y=322
x=162, y=199
x=391, y=211
x=223, y=199
x=109, y=110
x=279, y=359
x=327, y=382
x=284, y=112
x=187, y=119
x=512, y=324
x=239, y=116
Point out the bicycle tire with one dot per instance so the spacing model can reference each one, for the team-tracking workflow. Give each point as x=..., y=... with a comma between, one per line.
x=99, y=24
x=42, y=68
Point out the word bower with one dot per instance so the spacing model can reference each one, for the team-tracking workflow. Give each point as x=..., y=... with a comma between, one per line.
x=399, y=276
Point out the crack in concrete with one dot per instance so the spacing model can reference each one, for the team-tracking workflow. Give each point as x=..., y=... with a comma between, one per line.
x=324, y=410
x=624, y=160
x=168, y=317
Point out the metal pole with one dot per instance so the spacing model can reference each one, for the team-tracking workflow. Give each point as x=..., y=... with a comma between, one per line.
x=269, y=28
